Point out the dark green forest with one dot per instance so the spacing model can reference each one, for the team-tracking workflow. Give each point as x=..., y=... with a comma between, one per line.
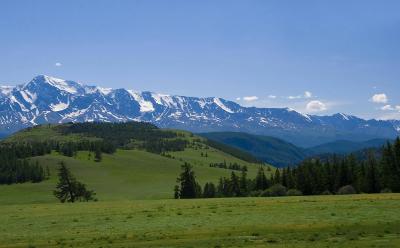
x=337, y=175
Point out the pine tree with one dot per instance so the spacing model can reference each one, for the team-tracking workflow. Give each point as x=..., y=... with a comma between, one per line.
x=284, y=177
x=70, y=190
x=244, y=189
x=176, y=192
x=187, y=181
x=209, y=190
x=261, y=180
x=389, y=170
x=234, y=188
x=371, y=180
x=277, y=177
x=66, y=187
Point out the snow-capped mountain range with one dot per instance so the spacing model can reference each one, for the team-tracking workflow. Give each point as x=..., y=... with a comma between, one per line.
x=51, y=100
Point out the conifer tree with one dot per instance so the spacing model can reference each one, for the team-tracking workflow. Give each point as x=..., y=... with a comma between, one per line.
x=176, y=192
x=244, y=189
x=261, y=180
x=209, y=190
x=277, y=177
x=234, y=188
x=371, y=179
x=389, y=175
x=66, y=187
x=97, y=154
x=70, y=190
x=187, y=180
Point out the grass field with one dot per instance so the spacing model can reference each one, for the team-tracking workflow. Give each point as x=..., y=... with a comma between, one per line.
x=135, y=210
x=317, y=221
x=125, y=175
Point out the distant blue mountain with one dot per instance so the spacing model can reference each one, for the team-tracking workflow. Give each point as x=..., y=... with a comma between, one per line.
x=281, y=153
x=346, y=146
x=271, y=150
x=47, y=99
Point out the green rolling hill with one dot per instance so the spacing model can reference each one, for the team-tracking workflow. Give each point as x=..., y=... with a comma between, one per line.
x=129, y=173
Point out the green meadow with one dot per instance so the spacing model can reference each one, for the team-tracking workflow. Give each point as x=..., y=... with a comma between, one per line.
x=127, y=174
x=317, y=221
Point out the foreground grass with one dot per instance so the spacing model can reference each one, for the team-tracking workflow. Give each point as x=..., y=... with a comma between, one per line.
x=317, y=221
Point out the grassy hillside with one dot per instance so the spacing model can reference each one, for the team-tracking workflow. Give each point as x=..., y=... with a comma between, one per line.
x=319, y=221
x=45, y=132
x=268, y=149
x=126, y=174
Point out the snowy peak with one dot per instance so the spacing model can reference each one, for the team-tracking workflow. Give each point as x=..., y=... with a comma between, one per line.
x=6, y=90
x=344, y=116
x=43, y=81
x=48, y=99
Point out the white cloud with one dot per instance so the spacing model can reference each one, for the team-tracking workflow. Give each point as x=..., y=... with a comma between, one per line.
x=238, y=98
x=387, y=107
x=250, y=98
x=293, y=97
x=307, y=94
x=379, y=98
x=272, y=96
x=390, y=116
x=58, y=64
x=316, y=106
x=397, y=108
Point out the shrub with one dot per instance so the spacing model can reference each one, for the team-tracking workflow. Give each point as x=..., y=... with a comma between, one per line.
x=326, y=192
x=274, y=190
x=347, y=190
x=294, y=192
x=386, y=190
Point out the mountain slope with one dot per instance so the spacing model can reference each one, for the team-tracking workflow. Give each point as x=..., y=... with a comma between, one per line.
x=50, y=100
x=268, y=149
x=281, y=153
x=345, y=146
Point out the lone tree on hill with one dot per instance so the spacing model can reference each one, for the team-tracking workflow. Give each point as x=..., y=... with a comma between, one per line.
x=188, y=188
x=68, y=189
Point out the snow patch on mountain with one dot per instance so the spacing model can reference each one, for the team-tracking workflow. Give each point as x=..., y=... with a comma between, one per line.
x=145, y=106
x=22, y=106
x=163, y=99
x=28, y=96
x=104, y=91
x=61, y=84
x=344, y=116
x=221, y=105
x=59, y=106
x=6, y=90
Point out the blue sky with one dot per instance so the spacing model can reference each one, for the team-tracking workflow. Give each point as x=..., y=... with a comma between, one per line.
x=317, y=57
